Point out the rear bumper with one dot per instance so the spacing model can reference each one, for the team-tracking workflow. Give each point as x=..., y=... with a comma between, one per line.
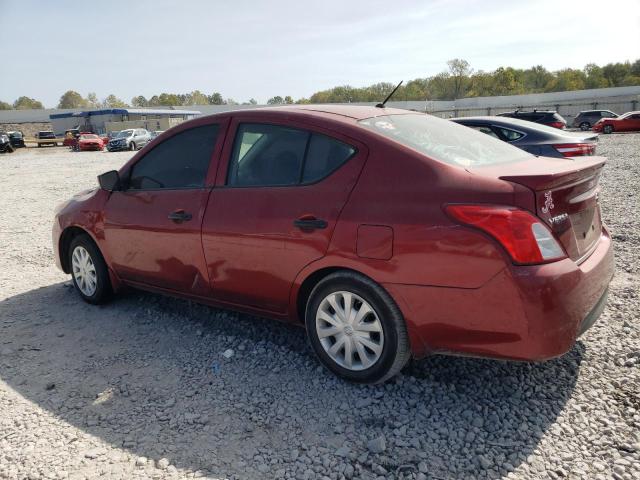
x=523, y=313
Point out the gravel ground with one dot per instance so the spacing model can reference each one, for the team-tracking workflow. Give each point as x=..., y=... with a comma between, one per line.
x=140, y=388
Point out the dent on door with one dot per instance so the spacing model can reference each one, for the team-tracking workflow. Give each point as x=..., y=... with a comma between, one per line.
x=154, y=238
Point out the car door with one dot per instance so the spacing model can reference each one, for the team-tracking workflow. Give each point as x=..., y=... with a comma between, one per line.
x=633, y=124
x=279, y=192
x=152, y=227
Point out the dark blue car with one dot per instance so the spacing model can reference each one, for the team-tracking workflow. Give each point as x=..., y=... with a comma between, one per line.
x=534, y=138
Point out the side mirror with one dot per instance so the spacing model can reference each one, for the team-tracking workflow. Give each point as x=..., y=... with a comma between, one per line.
x=109, y=181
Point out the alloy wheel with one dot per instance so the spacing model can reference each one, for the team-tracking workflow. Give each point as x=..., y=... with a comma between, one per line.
x=349, y=330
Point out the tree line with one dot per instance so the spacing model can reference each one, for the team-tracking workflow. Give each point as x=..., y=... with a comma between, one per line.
x=459, y=80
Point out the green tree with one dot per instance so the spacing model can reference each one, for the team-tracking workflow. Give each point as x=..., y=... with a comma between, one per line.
x=459, y=71
x=288, y=100
x=277, y=100
x=568, y=79
x=230, y=101
x=535, y=79
x=114, y=102
x=169, y=100
x=197, y=98
x=5, y=106
x=594, y=76
x=139, y=101
x=154, y=101
x=72, y=99
x=216, y=99
x=92, y=100
x=440, y=86
x=253, y=101
x=616, y=72
x=26, y=103
x=506, y=81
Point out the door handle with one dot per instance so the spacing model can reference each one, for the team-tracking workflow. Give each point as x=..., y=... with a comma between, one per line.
x=310, y=223
x=179, y=216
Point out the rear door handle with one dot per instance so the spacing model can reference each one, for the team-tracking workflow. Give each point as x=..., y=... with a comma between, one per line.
x=310, y=223
x=179, y=216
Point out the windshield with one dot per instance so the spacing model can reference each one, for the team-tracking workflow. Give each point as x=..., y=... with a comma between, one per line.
x=15, y=135
x=124, y=134
x=443, y=140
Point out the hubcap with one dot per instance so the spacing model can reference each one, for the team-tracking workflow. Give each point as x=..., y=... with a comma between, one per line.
x=349, y=330
x=84, y=271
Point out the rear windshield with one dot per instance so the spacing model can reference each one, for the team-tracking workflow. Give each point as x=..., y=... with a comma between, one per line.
x=445, y=141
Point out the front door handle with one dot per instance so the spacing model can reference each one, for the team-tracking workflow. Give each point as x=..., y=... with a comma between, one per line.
x=310, y=223
x=179, y=216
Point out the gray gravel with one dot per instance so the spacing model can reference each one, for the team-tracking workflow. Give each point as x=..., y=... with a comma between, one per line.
x=153, y=387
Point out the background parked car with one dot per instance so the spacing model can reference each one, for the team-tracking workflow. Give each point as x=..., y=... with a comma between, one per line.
x=586, y=119
x=534, y=138
x=130, y=139
x=46, y=136
x=545, y=117
x=71, y=137
x=628, y=122
x=5, y=143
x=90, y=141
x=156, y=133
x=16, y=138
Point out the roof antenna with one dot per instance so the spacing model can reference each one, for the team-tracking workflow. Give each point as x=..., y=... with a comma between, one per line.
x=381, y=105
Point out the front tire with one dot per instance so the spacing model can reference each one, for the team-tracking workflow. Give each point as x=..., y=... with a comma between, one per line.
x=132, y=146
x=607, y=129
x=356, y=329
x=89, y=271
x=584, y=126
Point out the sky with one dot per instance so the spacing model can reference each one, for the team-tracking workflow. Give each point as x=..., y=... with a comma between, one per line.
x=250, y=49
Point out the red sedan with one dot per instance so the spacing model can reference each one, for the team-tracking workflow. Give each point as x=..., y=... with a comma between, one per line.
x=386, y=233
x=89, y=141
x=629, y=122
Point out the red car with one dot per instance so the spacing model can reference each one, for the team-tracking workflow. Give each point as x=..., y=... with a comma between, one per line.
x=628, y=122
x=387, y=233
x=89, y=141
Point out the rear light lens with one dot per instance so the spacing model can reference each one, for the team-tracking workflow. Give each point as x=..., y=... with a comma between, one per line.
x=576, y=149
x=560, y=125
x=525, y=238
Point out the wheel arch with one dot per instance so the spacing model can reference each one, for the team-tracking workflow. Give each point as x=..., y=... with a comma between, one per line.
x=67, y=236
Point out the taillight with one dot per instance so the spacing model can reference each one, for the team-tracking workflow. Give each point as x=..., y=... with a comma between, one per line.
x=576, y=149
x=525, y=238
x=560, y=125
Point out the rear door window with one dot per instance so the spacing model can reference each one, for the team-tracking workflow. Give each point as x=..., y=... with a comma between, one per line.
x=276, y=155
x=510, y=135
x=486, y=130
x=181, y=161
x=324, y=156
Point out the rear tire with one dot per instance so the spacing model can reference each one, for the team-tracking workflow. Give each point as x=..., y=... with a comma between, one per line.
x=365, y=339
x=584, y=126
x=89, y=271
x=607, y=129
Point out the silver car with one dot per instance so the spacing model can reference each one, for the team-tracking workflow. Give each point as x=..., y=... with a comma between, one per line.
x=130, y=139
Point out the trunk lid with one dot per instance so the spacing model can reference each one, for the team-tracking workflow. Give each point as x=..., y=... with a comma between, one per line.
x=566, y=198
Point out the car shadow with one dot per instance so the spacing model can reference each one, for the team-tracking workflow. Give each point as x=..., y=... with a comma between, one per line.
x=145, y=374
